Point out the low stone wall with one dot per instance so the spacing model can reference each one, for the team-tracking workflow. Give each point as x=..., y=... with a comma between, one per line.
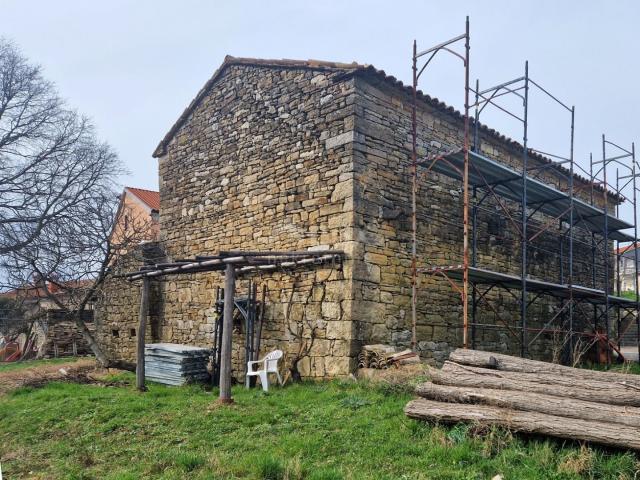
x=117, y=308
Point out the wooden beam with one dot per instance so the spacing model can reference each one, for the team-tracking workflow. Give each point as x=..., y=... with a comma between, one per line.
x=227, y=331
x=604, y=433
x=142, y=325
x=533, y=402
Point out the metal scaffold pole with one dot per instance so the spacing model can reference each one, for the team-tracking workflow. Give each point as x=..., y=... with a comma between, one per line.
x=414, y=189
x=417, y=72
x=606, y=244
x=465, y=279
x=571, y=221
x=635, y=244
x=524, y=239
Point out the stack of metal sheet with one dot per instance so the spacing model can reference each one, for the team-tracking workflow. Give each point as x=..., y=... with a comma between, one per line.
x=174, y=364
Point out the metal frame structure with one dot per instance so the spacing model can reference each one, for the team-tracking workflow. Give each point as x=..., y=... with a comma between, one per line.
x=492, y=180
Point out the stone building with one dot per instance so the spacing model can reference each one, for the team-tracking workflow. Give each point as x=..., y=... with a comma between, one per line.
x=294, y=155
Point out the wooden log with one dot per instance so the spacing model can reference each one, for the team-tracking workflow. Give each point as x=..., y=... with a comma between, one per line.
x=499, y=361
x=533, y=402
x=142, y=326
x=603, y=433
x=589, y=390
x=227, y=331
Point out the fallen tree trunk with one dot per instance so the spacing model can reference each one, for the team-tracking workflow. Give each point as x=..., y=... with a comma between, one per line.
x=548, y=384
x=533, y=402
x=526, y=422
x=502, y=362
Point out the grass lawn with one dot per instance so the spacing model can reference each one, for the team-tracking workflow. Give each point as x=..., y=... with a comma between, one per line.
x=310, y=431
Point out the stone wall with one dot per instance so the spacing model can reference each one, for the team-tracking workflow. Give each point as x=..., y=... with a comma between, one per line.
x=382, y=279
x=117, y=308
x=264, y=163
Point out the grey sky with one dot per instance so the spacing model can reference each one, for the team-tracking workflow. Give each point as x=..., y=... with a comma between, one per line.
x=134, y=66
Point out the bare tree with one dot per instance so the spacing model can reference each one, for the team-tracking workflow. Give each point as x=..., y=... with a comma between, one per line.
x=58, y=195
x=72, y=259
x=50, y=160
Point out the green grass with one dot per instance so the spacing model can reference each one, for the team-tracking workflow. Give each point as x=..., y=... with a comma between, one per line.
x=324, y=431
x=11, y=366
x=631, y=295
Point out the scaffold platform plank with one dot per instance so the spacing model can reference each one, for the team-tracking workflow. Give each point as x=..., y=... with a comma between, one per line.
x=481, y=276
x=507, y=182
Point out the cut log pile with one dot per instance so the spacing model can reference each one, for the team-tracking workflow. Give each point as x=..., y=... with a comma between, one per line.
x=385, y=356
x=532, y=397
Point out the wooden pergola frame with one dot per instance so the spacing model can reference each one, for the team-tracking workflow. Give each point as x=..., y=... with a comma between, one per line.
x=234, y=264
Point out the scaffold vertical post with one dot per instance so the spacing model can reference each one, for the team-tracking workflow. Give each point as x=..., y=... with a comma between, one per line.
x=606, y=247
x=414, y=189
x=524, y=241
x=634, y=172
x=465, y=281
x=570, y=283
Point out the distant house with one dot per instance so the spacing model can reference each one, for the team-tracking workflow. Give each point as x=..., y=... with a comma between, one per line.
x=51, y=334
x=627, y=269
x=137, y=216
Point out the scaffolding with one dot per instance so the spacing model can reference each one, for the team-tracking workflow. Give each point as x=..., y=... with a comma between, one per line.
x=561, y=207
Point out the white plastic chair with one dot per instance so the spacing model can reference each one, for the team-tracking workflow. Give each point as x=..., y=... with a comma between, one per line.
x=270, y=365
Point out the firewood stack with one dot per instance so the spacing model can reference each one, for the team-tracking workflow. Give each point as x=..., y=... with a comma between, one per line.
x=532, y=397
x=63, y=339
x=385, y=356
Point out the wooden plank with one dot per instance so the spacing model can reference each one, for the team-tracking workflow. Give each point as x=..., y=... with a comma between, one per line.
x=227, y=331
x=603, y=433
x=142, y=326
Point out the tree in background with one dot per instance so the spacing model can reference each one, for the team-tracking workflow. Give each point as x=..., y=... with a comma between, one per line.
x=58, y=194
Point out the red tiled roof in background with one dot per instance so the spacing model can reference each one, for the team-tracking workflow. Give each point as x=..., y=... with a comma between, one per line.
x=625, y=248
x=33, y=291
x=150, y=197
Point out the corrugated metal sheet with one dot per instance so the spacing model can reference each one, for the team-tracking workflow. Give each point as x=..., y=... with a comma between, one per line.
x=174, y=364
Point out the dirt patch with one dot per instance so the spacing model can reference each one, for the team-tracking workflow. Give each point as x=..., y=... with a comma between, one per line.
x=76, y=371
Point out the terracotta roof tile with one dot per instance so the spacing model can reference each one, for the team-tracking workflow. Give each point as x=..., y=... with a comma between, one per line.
x=150, y=197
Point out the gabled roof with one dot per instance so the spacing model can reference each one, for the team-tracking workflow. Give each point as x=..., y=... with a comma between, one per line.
x=364, y=70
x=150, y=198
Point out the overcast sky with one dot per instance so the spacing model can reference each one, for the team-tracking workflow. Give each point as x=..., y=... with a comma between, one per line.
x=133, y=66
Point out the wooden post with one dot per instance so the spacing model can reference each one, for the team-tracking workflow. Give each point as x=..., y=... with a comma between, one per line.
x=142, y=325
x=227, y=330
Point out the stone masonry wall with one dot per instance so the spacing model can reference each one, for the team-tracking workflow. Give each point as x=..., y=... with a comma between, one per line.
x=117, y=307
x=264, y=163
x=382, y=261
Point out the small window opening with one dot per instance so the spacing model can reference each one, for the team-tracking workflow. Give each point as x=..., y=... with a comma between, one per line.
x=132, y=332
x=115, y=333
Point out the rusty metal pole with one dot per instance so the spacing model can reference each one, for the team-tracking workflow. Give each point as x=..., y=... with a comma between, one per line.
x=465, y=274
x=227, y=331
x=414, y=192
x=635, y=245
x=606, y=247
